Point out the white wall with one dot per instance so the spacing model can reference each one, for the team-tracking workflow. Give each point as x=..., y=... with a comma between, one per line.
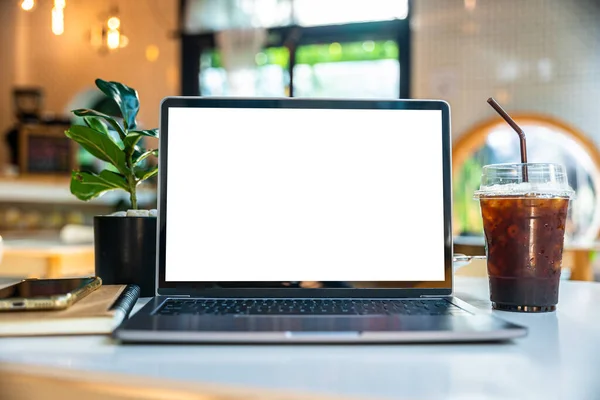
x=8, y=16
x=66, y=65
x=533, y=56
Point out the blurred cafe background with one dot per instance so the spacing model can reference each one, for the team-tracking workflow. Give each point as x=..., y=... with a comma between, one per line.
x=539, y=58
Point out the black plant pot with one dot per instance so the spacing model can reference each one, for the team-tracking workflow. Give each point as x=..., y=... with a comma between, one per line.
x=125, y=251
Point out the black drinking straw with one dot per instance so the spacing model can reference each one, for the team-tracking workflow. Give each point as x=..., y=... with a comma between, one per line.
x=517, y=129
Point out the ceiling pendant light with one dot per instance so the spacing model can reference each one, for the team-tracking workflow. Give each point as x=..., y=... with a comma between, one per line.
x=28, y=5
x=58, y=17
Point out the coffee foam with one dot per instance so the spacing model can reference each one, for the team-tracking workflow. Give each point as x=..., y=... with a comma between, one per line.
x=548, y=189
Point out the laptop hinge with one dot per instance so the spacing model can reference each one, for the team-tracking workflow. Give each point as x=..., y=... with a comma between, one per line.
x=178, y=295
x=433, y=295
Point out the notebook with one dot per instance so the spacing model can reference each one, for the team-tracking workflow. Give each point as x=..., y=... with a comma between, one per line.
x=98, y=313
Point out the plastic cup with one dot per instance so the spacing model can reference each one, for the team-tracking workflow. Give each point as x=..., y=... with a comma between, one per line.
x=524, y=226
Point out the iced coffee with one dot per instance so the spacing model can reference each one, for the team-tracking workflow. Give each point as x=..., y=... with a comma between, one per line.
x=524, y=226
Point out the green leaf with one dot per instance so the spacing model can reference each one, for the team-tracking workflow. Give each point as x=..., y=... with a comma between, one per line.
x=99, y=145
x=147, y=132
x=142, y=175
x=86, y=186
x=82, y=112
x=125, y=97
x=137, y=151
x=145, y=155
x=133, y=137
x=132, y=141
x=96, y=124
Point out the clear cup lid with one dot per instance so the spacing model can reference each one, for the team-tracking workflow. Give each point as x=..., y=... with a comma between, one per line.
x=532, y=179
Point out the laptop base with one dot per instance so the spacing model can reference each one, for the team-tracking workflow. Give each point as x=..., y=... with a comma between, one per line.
x=147, y=327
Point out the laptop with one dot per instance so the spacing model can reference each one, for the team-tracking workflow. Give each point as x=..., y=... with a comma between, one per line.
x=296, y=220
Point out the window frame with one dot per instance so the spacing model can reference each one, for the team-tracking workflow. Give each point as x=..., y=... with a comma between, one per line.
x=193, y=45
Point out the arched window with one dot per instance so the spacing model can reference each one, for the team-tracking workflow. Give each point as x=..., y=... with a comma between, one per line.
x=548, y=140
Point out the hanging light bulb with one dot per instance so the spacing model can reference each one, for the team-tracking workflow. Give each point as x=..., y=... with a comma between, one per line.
x=27, y=5
x=124, y=41
x=108, y=36
x=152, y=53
x=114, y=23
x=58, y=21
x=58, y=17
x=113, y=38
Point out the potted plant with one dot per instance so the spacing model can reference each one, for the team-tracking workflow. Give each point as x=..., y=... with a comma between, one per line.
x=124, y=245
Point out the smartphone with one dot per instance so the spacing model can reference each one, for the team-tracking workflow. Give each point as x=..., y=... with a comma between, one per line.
x=46, y=294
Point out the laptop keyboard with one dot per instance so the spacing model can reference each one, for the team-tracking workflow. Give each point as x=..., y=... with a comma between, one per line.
x=308, y=307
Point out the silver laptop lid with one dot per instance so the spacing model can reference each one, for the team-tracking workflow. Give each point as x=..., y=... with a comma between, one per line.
x=294, y=197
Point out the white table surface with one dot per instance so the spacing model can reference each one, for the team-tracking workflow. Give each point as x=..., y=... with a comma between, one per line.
x=560, y=359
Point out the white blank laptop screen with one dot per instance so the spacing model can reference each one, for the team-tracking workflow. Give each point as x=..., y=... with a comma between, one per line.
x=304, y=195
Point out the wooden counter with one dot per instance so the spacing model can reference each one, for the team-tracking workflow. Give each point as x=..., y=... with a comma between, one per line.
x=47, y=260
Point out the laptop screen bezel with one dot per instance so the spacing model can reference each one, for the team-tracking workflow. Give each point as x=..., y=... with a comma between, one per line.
x=401, y=289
